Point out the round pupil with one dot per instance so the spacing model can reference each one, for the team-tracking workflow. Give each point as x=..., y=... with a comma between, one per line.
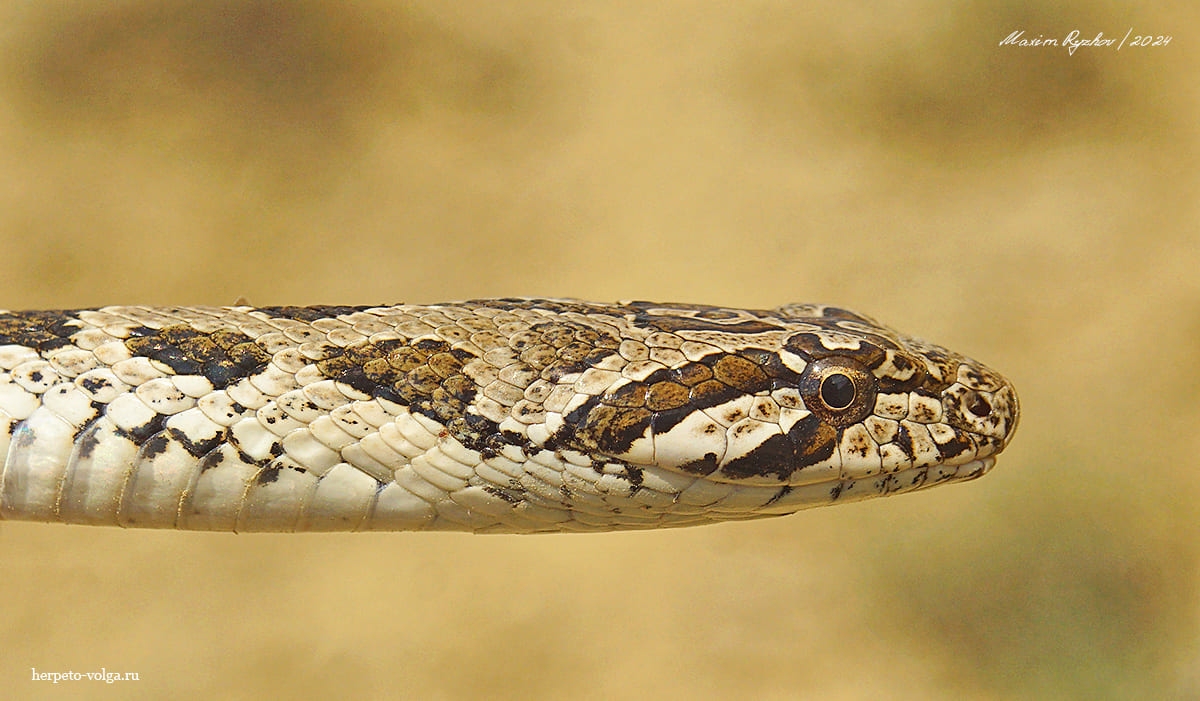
x=837, y=391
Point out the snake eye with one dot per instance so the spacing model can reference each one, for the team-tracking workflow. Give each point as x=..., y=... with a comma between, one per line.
x=839, y=390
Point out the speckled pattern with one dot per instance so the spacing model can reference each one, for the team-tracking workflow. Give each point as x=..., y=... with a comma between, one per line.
x=504, y=415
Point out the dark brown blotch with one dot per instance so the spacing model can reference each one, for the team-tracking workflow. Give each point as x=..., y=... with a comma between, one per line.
x=381, y=371
x=249, y=356
x=145, y=346
x=703, y=467
x=337, y=366
x=405, y=359
x=586, y=336
x=358, y=379
x=593, y=357
x=815, y=440
x=221, y=357
x=611, y=430
x=460, y=387
x=692, y=374
x=86, y=442
x=739, y=373
x=775, y=456
x=514, y=495
x=958, y=444
x=267, y=475
x=711, y=393
x=445, y=364
x=538, y=355
x=226, y=339
x=405, y=394
x=358, y=353
x=41, y=330
x=429, y=346
x=523, y=339
x=424, y=379
x=154, y=446
x=308, y=314
x=944, y=370
x=667, y=395
x=561, y=368
x=202, y=348
x=178, y=361
x=556, y=335
x=674, y=324
x=222, y=372
x=445, y=407
x=177, y=333
x=811, y=346
x=575, y=351
x=139, y=434
x=909, y=368
x=195, y=448
x=629, y=396
x=903, y=440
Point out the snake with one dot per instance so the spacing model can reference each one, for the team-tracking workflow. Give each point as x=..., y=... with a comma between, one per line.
x=507, y=415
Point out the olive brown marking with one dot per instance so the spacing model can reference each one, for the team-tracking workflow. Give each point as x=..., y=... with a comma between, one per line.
x=222, y=356
x=506, y=415
x=42, y=331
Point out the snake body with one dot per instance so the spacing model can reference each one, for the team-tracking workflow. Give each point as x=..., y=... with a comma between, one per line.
x=501, y=415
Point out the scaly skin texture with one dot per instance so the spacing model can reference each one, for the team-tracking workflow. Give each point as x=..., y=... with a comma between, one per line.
x=505, y=415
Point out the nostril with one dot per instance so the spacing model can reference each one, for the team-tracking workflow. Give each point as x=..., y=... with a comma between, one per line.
x=978, y=405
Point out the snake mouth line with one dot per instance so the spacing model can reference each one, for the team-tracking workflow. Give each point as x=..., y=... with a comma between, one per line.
x=913, y=479
x=975, y=468
x=851, y=489
x=916, y=479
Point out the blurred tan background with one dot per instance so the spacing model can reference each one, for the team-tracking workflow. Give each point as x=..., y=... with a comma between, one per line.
x=1036, y=210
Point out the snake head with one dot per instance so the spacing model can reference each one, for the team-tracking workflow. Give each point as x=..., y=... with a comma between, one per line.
x=803, y=405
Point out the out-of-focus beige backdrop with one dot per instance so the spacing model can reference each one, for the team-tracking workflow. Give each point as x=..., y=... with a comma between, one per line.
x=1033, y=209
